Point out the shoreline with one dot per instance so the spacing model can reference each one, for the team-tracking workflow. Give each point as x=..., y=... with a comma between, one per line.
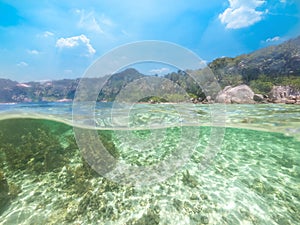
x=283, y=102
x=240, y=122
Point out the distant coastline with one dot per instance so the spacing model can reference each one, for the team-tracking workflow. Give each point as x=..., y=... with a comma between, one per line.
x=271, y=74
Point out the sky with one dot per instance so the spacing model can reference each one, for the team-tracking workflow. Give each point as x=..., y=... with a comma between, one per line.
x=47, y=40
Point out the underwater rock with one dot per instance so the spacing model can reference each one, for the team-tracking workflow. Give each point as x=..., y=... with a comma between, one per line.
x=194, y=197
x=200, y=219
x=4, y=192
x=189, y=180
x=204, y=220
x=84, y=202
x=71, y=216
x=151, y=217
x=178, y=204
x=204, y=197
x=14, y=190
x=75, y=180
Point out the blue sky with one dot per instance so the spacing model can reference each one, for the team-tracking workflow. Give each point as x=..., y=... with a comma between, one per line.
x=41, y=40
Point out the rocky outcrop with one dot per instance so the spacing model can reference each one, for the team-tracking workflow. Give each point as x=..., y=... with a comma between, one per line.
x=241, y=94
x=259, y=98
x=284, y=94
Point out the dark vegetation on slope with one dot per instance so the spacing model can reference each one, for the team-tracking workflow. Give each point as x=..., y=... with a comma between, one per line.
x=274, y=65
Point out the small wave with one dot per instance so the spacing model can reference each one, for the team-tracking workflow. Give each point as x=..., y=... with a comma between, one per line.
x=288, y=129
x=8, y=103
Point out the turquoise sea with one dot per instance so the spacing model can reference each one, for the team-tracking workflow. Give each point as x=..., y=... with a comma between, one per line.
x=233, y=164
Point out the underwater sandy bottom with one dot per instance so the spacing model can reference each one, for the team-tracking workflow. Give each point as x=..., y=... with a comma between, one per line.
x=253, y=179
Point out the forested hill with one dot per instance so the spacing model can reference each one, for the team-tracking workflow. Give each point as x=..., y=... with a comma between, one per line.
x=273, y=65
x=63, y=90
x=261, y=70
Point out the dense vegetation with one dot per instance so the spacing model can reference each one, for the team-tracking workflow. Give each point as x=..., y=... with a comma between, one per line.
x=187, y=83
x=264, y=84
x=274, y=65
x=36, y=148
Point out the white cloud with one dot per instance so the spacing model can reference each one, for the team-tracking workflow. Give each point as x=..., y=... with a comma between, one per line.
x=277, y=38
x=33, y=52
x=125, y=33
x=160, y=71
x=75, y=41
x=48, y=33
x=241, y=13
x=22, y=64
x=68, y=71
x=106, y=21
x=45, y=34
x=92, y=22
x=88, y=21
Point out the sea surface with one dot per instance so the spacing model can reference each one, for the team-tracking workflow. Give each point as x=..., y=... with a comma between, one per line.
x=172, y=164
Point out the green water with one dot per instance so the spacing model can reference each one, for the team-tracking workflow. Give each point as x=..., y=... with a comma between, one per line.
x=253, y=179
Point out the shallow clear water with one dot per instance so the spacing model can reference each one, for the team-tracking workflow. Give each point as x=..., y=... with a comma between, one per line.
x=253, y=179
